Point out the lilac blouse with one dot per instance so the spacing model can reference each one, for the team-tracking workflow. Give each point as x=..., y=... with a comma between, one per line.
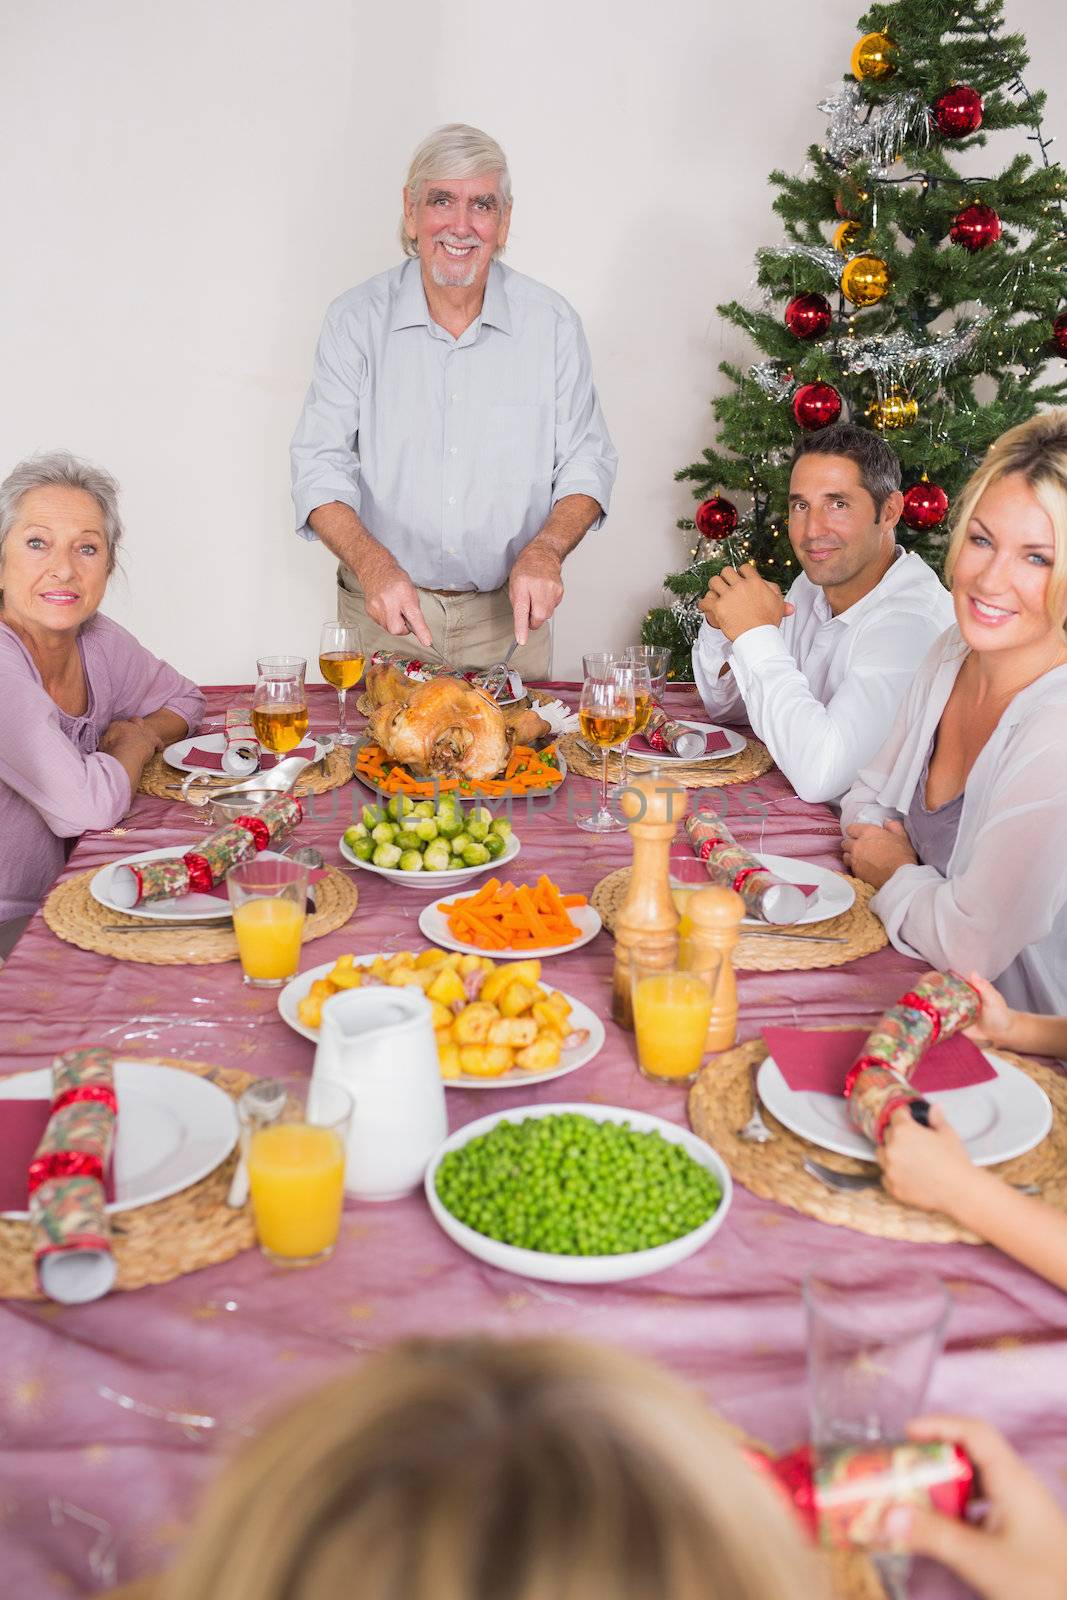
x=54, y=782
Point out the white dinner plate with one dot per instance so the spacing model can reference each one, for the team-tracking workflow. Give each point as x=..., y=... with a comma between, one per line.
x=433, y=880
x=582, y=1269
x=737, y=744
x=581, y=1017
x=173, y=1128
x=185, y=908
x=434, y=926
x=174, y=755
x=996, y=1120
x=833, y=892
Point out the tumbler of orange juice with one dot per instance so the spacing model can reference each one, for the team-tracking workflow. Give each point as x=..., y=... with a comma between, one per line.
x=671, y=1010
x=295, y=1154
x=268, y=896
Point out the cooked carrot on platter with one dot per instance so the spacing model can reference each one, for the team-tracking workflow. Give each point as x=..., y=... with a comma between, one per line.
x=501, y=916
x=527, y=770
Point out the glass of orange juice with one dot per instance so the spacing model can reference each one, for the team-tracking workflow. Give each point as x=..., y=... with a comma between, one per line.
x=671, y=1011
x=295, y=1154
x=268, y=896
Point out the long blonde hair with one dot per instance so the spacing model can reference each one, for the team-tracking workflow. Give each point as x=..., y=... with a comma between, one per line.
x=479, y=1470
x=1037, y=451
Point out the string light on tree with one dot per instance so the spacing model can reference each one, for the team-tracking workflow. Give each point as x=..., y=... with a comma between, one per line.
x=865, y=280
x=816, y=405
x=872, y=57
x=976, y=227
x=925, y=505
x=808, y=316
x=958, y=111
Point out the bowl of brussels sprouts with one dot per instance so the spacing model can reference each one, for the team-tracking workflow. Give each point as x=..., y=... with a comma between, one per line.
x=408, y=840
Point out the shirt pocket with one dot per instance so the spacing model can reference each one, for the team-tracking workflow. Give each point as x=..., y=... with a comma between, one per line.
x=515, y=443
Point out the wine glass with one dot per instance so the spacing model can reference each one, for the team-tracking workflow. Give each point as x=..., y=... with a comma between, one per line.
x=280, y=710
x=643, y=703
x=341, y=660
x=606, y=717
x=657, y=658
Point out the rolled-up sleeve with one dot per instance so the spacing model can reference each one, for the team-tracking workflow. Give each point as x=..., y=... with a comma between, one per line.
x=585, y=458
x=324, y=454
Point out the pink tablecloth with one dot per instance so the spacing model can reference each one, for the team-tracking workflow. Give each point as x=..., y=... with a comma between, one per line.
x=112, y=1415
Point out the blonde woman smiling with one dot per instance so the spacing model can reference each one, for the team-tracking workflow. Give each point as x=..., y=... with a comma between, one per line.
x=960, y=822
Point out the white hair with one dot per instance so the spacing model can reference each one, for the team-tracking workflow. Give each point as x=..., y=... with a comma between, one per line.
x=58, y=469
x=454, y=151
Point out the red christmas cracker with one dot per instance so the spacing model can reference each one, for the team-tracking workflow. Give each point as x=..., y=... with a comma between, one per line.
x=68, y=1215
x=731, y=866
x=877, y=1085
x=208, y=862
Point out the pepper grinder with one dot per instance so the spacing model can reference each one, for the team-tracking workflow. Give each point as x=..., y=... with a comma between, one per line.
x=716, y=918
x=653, y=806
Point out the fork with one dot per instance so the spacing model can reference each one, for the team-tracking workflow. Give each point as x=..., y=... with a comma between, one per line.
x=755, y=1130
x=863, y=1180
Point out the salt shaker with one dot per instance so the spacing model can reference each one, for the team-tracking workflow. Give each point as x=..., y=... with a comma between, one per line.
x=715, y=915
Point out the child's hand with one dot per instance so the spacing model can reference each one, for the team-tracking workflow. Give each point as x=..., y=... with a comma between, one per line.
x=994, y=1025
x=1020, y=1553
x=924, y=1167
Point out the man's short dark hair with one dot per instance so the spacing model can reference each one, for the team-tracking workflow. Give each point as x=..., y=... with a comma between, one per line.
x=879, y=467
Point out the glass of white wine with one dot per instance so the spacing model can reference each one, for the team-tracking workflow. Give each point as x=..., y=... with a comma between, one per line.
x=643, y=703
x=606, y=717
x=280, y=710
x=341, y=662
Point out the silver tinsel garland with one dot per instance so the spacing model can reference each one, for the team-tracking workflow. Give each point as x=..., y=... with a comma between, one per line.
x=822, y=255
x=875, y=133
x=776, y=384
x=889, y=356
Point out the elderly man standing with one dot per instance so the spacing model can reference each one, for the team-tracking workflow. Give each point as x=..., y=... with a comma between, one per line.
x=452, y=451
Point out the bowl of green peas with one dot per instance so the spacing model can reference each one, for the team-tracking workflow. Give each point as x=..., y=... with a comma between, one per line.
x=407, y=840
x=578, y=1193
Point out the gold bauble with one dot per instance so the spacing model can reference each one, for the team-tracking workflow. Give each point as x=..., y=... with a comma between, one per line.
x=872, y=57
x=895, y=410
x=845, y=235
x=865, y=280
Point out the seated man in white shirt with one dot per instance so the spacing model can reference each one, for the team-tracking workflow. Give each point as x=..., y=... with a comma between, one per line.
x=819, y=674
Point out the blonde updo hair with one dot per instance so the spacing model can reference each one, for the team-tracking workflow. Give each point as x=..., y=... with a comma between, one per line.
x=1037, y=451
x=454, y=151
x=478, y=1470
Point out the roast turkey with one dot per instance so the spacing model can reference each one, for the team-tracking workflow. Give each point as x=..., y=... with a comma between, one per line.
x=443, y=727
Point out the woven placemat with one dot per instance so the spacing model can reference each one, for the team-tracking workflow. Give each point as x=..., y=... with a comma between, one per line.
x=164, y=782
x=153, y=1244
x=751, y=762
x=74, y=916
x=759, y=952
x=722, y=1100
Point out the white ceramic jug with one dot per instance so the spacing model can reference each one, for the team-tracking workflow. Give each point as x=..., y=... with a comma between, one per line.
x=378, y=1043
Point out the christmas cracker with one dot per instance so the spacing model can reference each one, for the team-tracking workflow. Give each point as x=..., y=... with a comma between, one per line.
x=664, y=734
x=68, y=1206
x=241, y=755
x=940, y=1004
x=208, y=862
x=731, y=866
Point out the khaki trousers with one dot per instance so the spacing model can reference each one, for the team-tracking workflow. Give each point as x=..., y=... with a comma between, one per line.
x=469, y=630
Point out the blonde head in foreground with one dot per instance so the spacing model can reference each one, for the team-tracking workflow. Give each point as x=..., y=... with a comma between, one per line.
x=476, y=1470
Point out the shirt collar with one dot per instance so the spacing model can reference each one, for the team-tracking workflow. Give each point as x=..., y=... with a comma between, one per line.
x=875, y=597
x=412, y=311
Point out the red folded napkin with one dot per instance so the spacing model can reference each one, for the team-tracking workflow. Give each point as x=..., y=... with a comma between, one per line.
x=22, y=1123
x=687, y=868
x=817, y=1060
x=716, y=740
x=211, y=760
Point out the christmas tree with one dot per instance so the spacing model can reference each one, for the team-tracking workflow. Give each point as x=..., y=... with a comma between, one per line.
x=905, y=295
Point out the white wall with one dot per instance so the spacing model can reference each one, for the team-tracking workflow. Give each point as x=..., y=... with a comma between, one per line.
x=187, y=187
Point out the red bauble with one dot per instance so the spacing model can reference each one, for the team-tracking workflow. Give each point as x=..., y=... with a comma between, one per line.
x=716, y=518
x=925, y=505
x=958, y=111
x=808, y=315
x=816, y=405
x=1059, y=333
x=975, y=227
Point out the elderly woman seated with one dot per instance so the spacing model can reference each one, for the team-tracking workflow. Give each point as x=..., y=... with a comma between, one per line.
x=960, y=822
x=83, y=706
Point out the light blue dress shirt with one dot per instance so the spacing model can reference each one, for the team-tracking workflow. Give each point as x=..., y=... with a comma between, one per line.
x=452, y=451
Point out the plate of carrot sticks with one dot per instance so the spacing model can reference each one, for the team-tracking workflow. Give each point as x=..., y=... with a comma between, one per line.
x=511, y=921
x=528, y=772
